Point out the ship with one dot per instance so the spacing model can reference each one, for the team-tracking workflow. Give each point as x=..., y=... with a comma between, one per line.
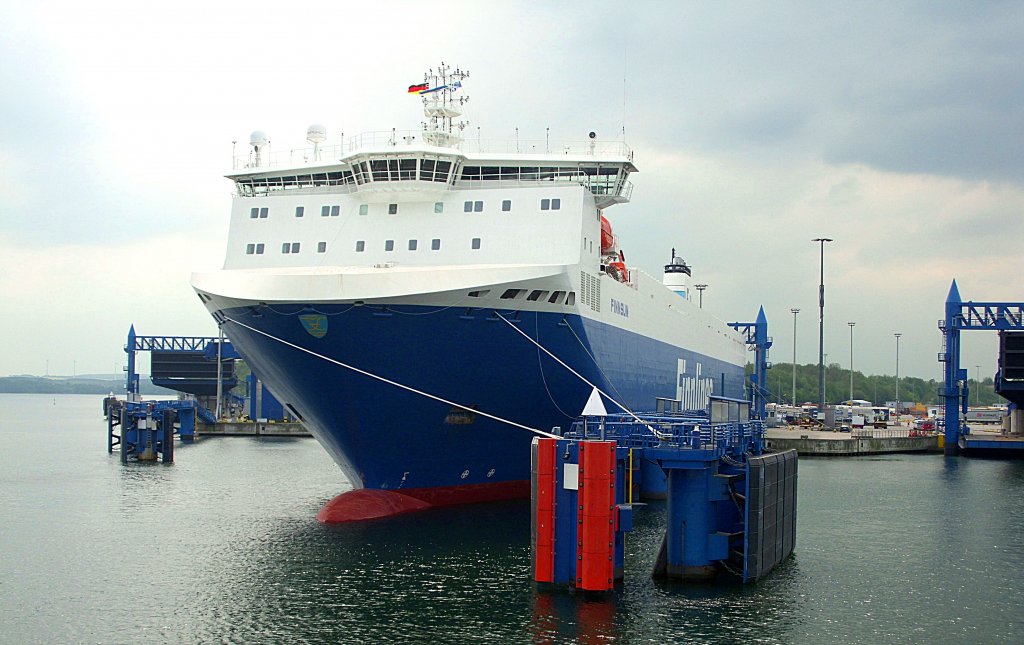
x=427, y=303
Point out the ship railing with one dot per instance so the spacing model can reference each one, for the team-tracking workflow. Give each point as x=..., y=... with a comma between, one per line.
x=654, y=431
x=398, y=139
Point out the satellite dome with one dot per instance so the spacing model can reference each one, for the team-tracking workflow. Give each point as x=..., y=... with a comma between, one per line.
x=316, y=133
x=258, y=139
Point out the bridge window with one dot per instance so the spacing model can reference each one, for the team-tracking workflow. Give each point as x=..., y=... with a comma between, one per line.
x=360, y=246
x=364, y=209
x=412, y=245
x=389, y=245
x=321, y=247
x=506, y=205
x=435, y=244
x=556, y=204
x=545, y=204
x=438, y=207
x=335, y=210
x=290, y=247
x=254, y=213
x=259, y=249
x=476, y=243
x=325, y=211
x=300, y=211
x=466, y=207
x=392, y=209
x=250, y=249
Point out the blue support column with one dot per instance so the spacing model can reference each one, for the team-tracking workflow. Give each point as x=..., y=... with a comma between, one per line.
x=951, y=390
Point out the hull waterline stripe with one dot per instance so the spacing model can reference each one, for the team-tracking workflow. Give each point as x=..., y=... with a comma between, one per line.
x=581, y=377
x=394, y=383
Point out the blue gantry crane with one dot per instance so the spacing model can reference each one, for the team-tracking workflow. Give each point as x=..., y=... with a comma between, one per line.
x=1007, y=318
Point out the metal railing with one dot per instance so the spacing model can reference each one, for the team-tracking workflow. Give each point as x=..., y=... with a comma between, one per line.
x=653, y=431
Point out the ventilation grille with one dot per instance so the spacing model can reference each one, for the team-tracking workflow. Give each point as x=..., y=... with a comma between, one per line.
x=590, y=291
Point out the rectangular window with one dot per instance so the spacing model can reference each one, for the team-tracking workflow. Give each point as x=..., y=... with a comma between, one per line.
x=259, y=249
x=556, y=204
x=478, y=207
x=360, y=246
x=435, y=244
x=389, y=245
x=321, y=247
x=392, y=209
x=250, y=249
x=467, y=207
x=476, y=242
x=286, y=247
x=506, y=205
x=364, y=209
x=412, y=245
x=335, y=211
x=295, y=247
x=545, y=204
x=300, y=211
x=325, y=211
x=264, y=212
x=255, y=212
x=438, y=207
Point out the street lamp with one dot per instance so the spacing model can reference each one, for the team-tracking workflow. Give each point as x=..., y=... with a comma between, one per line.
x=977, y=384
x=851, y=324
x=795, y=311
x=821, y=325
x=700, y=289
x=897, y=335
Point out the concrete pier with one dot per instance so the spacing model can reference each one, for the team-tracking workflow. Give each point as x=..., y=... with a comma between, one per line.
x=254, y=429
x=840, y=444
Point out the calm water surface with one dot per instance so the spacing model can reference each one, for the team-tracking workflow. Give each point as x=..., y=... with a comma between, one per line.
x=223, y=546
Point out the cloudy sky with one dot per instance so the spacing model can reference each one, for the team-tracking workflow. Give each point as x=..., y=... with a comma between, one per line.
x=895, y=128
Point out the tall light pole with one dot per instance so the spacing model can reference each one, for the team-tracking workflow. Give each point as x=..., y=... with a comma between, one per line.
x=795, y=312
x=897, y=335
x=977, y=384
x=821, y=325
x=700, y=289
x=851, y=324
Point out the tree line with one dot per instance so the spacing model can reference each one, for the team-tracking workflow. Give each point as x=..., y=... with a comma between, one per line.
x=877, y=388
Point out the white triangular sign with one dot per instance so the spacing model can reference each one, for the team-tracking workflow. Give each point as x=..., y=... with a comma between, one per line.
x=594, y=406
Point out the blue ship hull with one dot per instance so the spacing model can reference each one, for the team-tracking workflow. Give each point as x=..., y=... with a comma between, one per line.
x=389, y=438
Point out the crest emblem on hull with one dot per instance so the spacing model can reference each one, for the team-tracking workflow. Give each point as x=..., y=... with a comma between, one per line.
x=315, y=324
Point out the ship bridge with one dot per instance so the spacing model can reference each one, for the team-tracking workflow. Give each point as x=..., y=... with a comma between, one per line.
x=393, y=161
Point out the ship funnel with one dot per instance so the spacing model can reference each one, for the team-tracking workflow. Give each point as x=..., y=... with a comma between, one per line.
x=677, y=276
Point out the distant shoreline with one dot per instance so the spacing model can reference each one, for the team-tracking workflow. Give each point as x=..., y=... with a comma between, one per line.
x=73, y=385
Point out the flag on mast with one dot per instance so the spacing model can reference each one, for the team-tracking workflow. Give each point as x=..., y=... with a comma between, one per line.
x=416, y=89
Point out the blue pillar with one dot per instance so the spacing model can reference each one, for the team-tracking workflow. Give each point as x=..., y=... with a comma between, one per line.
x=951, y=391
x=690, y=522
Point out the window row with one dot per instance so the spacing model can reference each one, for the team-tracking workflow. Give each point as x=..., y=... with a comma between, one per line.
x=470, y=206
x=435, y=245
x=536, y=295
x=286, y=247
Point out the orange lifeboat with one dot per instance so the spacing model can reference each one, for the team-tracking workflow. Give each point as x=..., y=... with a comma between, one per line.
x=618, y=269
x=607, y=238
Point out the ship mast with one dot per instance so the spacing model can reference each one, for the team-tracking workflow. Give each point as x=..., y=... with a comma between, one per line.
x=441, y=107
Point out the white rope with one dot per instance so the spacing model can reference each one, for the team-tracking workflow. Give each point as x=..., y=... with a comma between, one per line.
x=390, y=382
x=657, y=434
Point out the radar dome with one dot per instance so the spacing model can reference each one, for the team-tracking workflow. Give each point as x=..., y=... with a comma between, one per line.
x=258, y=139
x=316, y=133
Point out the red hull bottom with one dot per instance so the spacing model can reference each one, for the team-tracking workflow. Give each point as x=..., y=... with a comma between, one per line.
x=371, y=504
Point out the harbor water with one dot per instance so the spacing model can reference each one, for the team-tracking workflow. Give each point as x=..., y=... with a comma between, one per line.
x=222, y=546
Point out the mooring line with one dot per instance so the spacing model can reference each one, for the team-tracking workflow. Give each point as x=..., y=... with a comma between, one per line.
x=657, y=434
x=390, y=382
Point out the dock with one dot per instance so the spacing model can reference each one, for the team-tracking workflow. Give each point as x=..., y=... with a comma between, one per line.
x=254, y=429
x=845, y=444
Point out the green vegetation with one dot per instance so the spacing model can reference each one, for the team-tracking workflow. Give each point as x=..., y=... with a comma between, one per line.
x=876, y=388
